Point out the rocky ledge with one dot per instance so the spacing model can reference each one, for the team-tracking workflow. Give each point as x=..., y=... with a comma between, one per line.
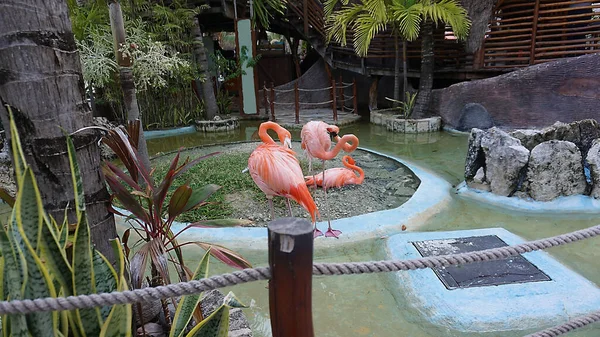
x=218, y=124
x=560, y=160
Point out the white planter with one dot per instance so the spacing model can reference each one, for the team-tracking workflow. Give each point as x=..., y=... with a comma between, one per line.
x=398, y=124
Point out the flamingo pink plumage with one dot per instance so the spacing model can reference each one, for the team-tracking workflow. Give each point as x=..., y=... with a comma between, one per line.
x=276, y=170
x=339, y=176
x=316, y=141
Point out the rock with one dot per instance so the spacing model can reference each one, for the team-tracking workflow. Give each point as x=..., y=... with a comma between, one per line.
x=555, y=169
x=474, y=115
x=404, y=192
x=589, y=131
x=238, y=324
x=529, y=138
x=151, y=330
x=479, y=176
x=504, y=159
x=593, y=158
x=475, y=156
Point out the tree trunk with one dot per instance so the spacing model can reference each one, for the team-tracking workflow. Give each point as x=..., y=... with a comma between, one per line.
x=42, y=83
x=423, y=100
x=404, y=71
x=373, y=94
x=126, y=76
x=397, y=71
x=208, y=94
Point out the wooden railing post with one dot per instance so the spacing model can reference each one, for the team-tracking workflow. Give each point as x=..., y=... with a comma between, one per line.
x=290, y=287
x=334, y=98
x=273, y=102
x=342, y=100
x=354, y=96
x=265, y=100
x=297, y=102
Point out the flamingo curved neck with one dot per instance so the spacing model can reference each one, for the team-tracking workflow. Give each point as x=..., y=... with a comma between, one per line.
x=264, y=136
x=342, y=144
x=361, y=173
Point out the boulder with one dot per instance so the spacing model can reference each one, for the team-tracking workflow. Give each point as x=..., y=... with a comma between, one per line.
x=505, y=157
x=475, y=155
x=593, y=159
x=474, y=115
x=555, y=169
x=238, y=324
x=589, y=131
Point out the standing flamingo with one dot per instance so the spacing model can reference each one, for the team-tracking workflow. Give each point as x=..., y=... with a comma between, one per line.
x=316, y=141
x=339, y=176
x=276, y=171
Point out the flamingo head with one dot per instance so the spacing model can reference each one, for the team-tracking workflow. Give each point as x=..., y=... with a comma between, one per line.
x=348, y=160
x=287, y=142
x=333, y=131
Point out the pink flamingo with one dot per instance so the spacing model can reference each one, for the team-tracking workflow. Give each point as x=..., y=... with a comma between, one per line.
x=276, y=171
x=339, y=176
x=316, y=141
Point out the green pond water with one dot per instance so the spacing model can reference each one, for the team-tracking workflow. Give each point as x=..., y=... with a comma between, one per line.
x=364, y=305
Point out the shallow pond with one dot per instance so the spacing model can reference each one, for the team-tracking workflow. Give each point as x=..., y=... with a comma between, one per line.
x=363, y=305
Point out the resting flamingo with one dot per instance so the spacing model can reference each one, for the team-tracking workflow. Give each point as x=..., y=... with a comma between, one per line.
x=276, y=171
x=316, y=141
x=339, y=176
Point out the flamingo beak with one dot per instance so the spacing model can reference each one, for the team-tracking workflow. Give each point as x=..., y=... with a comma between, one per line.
x=245, y=170
x=287, y=142
x=332, y=134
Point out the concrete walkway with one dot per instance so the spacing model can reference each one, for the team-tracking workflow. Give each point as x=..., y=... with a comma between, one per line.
x=287, y=117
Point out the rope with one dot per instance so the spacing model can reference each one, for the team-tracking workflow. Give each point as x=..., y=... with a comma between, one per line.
x=344, y=86
x=263, y=273
x=282, y=103
x=311, y=90
x=348, y=83
x=283, y=90
x=578, y=322
x=348, y=109
x=328, y=102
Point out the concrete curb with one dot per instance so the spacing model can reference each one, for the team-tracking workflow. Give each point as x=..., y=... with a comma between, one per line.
x=153, y=134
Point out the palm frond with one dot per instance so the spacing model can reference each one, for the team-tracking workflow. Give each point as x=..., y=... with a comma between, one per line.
x=450, y=12
x=337, y=24
x=365, y=28
x=408, y=20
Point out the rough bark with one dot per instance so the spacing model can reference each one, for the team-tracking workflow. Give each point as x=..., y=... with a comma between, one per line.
x=40, y=79
x=373, y=93
x=423, y=100
x=480, y=12
x=126, y=76
x=404, y=71
x=208, y=94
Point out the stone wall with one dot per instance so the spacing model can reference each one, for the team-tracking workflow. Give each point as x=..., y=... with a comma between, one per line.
x=398, y=124
x=560, y=160
x=564, y=90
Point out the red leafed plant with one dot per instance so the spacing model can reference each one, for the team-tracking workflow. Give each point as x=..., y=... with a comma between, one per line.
x=153, y=211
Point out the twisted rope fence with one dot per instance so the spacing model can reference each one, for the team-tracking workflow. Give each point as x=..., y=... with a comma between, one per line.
x=318, y=269
x=336, y=91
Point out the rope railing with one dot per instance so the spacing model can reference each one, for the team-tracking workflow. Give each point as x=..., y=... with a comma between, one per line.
x=336, y=92
x=319, y=269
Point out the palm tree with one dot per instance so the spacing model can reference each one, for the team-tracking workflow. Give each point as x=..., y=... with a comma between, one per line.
x=208, y=93
x=41, y=82
x=126, y=75
x=367, y=18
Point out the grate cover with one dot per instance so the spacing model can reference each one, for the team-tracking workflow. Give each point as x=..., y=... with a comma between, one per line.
x=514, y=269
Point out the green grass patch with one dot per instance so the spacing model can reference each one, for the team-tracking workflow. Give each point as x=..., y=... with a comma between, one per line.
x=224, y=170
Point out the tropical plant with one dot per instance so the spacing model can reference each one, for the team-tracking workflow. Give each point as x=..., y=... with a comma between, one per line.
x=41, y=258
x=153, y=211
x=407, y=105
x=367, y=18
x=224, y=102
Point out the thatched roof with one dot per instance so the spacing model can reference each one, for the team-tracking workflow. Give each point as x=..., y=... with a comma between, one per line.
x=480, y=12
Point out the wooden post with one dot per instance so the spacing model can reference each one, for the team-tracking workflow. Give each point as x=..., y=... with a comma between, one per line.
x=342, y=100
x=297, y=102
x=334, y=98
x=265, y=100
x=305, y=14
x=290, y=287
x=354, y=96
x=536, y=12
x=273, y=102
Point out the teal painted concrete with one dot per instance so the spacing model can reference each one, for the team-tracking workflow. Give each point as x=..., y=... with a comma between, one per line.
x=572, y=204
x=431, y=196
x=493, y=308
x=248, y=90
x=169, y=132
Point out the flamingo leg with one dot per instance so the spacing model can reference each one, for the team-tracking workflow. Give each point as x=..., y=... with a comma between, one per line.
x=330, y=232
x=271, y=207
x=289, y=205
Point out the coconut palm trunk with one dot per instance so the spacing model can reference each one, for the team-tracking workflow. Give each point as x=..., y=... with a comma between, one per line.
x=423, y=99
x=208, y=94
x=41, y=82
x=397, y=70
x=404, y=70
x=126, y=76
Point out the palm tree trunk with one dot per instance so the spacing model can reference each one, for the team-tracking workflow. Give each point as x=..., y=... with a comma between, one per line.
x=396, y=71
x=423, y=100
x=404, y=71
x=126, y=76
x=208, y=94
x=42, y=83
